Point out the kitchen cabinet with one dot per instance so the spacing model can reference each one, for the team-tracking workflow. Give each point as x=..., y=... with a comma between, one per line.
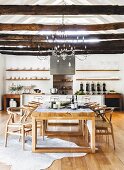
x=114, y=100
x=8, y=97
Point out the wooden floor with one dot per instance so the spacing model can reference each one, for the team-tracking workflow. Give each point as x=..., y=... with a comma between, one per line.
x=105, y=157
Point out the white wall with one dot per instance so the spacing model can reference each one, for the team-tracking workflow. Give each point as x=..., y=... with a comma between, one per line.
x=99, y=61
x=2, y=67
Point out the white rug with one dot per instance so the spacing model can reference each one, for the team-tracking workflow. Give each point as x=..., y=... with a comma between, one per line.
x=26, y=160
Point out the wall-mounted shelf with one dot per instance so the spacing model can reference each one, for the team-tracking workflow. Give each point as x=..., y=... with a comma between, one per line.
x=100, y=70
x=60, y=81
x=68, y=89
x=26, y=70
x=98, y=79
x=26, y=79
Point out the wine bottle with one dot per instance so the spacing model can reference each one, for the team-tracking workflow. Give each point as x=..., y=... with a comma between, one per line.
x=93, y=88
x=76, y=98
x=104, y=88
x=98, y=88
x=87, y=87
x=76, y=102
x=72, y=100
x=81, y=87
x=72, y=103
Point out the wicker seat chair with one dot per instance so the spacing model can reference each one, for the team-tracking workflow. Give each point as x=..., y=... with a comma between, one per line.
x=103, y=126
x=19, y=122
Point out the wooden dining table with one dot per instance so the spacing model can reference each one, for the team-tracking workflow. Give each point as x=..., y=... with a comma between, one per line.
x=41, y=114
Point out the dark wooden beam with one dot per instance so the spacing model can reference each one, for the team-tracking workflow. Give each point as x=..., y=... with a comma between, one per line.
x=49, y=53
x=24, y=37
x=46, y=45
x=40, y=27
x=61, y=10
x=79, y=48
x=19, y=49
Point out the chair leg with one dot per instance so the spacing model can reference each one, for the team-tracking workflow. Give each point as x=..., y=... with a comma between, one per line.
x=20, y=135
x=23, y=137
x=113, y=137
x=6, y=129
x=6, y=136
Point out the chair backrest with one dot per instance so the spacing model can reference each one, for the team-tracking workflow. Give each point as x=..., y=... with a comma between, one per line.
x=27, y=111
x=105, y=113
x=34, y=104
x=24, y=112
x=108, y=114
x=100, y=111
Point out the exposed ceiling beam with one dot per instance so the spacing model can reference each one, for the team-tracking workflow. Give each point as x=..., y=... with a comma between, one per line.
x=49, y=53
x=40, y=27
x=106, y=48
x=25, y=37
x=61, y=10
x=51, y=45
x=79, y=47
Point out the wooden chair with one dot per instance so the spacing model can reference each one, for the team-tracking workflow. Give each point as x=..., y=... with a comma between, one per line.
x=99, y=112
x=19, y=126
x=41, y=125
x=104, y=125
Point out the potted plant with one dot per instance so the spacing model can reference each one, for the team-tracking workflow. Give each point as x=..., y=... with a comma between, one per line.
x=19, y=88
x=13, y=88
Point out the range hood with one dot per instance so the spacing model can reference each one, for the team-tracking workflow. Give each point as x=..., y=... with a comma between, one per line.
x=58, y=66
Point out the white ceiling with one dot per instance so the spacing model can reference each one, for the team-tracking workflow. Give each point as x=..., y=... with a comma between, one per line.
x=84, y=19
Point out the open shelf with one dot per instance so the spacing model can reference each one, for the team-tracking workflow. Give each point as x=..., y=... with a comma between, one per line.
x=98, y=79
x=99, y=70
x=25, y=79
x=68, y=89
x=26, y=70
x=64, y=83
x=60, y=81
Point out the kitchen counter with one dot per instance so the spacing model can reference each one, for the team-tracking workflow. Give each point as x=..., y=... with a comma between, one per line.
x=55, y=97
x=23, y=99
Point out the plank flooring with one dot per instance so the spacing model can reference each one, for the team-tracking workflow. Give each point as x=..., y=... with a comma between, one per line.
x=105, y=157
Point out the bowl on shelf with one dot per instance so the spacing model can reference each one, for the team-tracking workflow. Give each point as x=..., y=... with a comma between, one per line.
x=37, y=91
x=112, y=92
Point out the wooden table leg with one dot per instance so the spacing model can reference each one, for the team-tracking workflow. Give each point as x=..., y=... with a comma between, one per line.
x=80, y=126
x=93, y=136
x=34, y=134
x=43, y=124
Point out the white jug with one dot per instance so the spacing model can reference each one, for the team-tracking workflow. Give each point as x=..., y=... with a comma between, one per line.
x=12, y=103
